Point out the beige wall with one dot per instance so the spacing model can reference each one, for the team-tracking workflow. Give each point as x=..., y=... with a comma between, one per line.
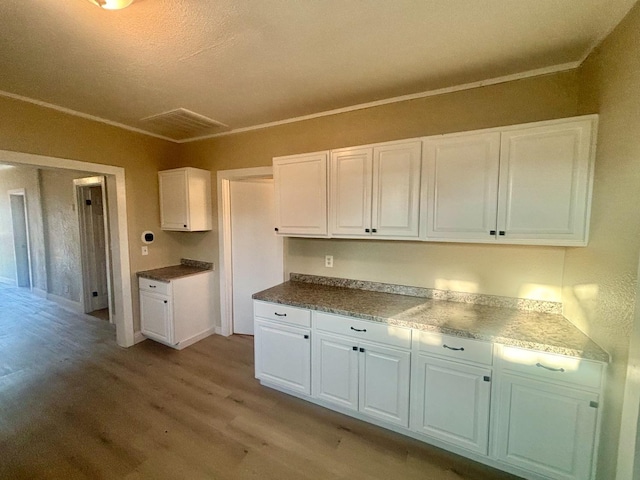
x=599, y=281
x=534, y=272
x=28, y=178
x=32, y=129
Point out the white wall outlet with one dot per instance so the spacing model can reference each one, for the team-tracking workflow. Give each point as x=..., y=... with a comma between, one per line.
x=328, y=261
x=145, y=250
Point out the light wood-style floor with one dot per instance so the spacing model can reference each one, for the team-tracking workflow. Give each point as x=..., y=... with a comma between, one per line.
x=75, y=405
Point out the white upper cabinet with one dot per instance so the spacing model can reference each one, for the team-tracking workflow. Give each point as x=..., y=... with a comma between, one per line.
x=185, y=199
x=544, y=184
x=300, y=183
x=462, y=177
x=523, y=185
x=375, y=191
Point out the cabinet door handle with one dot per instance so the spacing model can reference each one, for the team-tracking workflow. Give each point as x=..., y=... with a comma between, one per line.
x=185, y=226
x=492, y=232
x=280, y=314
x=374, y=230
x=152, y=286
x=276, y=229
x=461, y=349
x=361, y=349
x=306, y=336
x=355, y=349
x=356, y=330
x=166, y=301
x=367, y=230
x=549, y=368
x=502, y=232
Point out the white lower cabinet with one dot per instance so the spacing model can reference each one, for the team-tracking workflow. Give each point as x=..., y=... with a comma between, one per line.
x=531, y=413
x=450, y=401
x=155, y=315
x=283, y=355
x=362, y=376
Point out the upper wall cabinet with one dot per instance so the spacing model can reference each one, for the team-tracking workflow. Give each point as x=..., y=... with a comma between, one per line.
x=527, y=185
x=300, y=183
x=375, y=191
x=185, y=199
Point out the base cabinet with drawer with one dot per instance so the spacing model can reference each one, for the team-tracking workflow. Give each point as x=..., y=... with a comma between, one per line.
x=451, y=390
x=547, y=416
x=283, y=346
x=178, y=312
x=530, y=413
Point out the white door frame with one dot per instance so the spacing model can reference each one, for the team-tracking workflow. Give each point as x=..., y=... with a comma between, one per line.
x=21, y=192
x=117, y=194
x=224, y=179
x=79, y=185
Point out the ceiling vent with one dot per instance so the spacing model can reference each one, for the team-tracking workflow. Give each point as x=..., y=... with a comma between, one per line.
x=182, y=124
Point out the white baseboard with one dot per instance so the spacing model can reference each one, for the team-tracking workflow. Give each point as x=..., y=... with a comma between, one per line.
x=75, y=307
x=217, y=330
x=194, y=339
x=7, y=280
x=39, y=292
x=138, y=337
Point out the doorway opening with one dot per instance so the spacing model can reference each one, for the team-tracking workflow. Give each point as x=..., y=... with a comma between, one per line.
x=21, y=244
x=251, y=254
x=93, y=222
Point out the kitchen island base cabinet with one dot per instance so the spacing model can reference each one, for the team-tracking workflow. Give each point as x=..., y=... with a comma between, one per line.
x=450, y=401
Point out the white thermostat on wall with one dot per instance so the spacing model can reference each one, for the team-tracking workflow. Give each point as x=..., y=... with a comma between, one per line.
x=147, y=237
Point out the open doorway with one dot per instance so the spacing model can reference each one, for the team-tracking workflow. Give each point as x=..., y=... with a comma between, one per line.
x=93, y=222
x=21, y=246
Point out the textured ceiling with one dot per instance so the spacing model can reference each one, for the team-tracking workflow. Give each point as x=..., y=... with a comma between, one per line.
x=250, y=62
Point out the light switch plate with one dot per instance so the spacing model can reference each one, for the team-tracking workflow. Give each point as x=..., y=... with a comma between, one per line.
x=145, y=250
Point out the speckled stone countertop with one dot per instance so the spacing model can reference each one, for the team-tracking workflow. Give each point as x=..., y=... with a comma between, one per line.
x=547, y=332
x=187, y=267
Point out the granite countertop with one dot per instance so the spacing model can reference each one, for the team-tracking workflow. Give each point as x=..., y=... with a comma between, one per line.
x=547, y=332
x=186, y=268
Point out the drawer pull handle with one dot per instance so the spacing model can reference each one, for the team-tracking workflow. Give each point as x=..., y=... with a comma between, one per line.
x=152, y=286
x=461, y=349
x=549, y=368
x=280, y=314
x=358, y=330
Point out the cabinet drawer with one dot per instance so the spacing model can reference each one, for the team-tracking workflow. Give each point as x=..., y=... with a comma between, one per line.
x=154, y=286
x=457, y=348
x=363, y=329
x=553, y=367
x=282, y=313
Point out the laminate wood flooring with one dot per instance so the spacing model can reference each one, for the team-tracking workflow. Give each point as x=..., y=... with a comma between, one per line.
x=75, y=405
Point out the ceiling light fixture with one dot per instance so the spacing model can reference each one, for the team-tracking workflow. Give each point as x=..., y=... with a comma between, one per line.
x=112, y=4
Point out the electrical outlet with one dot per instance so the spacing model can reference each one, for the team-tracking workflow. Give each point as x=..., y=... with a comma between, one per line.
x=145, y=250
x=328, y=261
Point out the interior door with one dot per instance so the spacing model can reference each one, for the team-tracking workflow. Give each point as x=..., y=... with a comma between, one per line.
x=95, y=251
x=256, y=251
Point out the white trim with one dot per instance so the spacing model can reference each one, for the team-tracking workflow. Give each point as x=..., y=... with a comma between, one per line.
x=138, y=337
x=116, y=191
x=403, y=98
x=563, y=67
x=7, y=280
x=75, y=307
x=196, y=338
x=224, y=179
x=86, y=116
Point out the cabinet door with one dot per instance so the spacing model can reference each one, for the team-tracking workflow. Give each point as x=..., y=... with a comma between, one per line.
x=335, y=370
x=384, y=383
x=300, y=185
x=396, y=190
x=545, y=428
x=450, y=401
x=545, y=183
x=283, y=356
x=156, y=316
x=174, y=208
x=462, y=175
x=350, y=187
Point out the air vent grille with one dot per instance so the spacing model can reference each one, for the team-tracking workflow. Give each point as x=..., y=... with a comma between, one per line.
x=182, y=124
